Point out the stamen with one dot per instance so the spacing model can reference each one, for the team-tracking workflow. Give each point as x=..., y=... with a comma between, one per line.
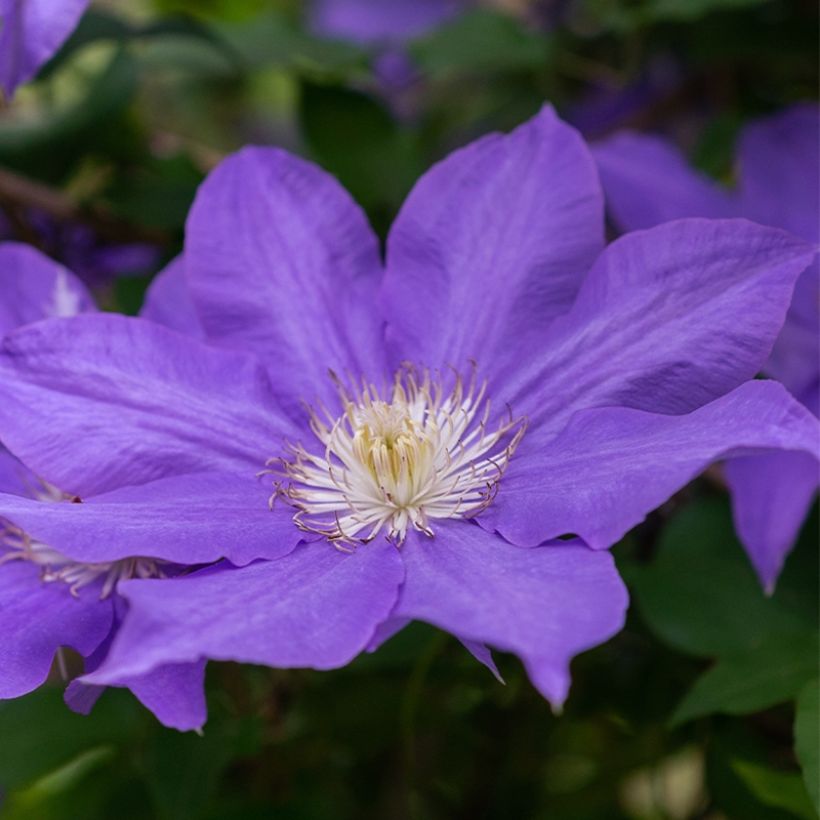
x=398, y=463
x=20, y=546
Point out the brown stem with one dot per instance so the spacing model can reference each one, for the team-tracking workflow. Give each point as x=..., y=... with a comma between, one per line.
x=17, y=190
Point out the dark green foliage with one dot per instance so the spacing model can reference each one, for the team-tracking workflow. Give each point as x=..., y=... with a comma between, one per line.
x=705, y=706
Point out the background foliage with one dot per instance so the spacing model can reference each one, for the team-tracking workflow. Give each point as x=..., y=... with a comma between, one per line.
x=706, y=706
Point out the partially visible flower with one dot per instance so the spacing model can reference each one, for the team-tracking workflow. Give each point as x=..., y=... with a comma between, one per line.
x=646, y=182
x=49, y=600
x=490, y=411
x=31, y=31
x=606, y=105
x=385, y=28
x=95, y=261
x=387, y=22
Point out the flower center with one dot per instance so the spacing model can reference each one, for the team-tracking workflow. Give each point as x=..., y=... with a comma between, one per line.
x=393, y=463
x=56, y=567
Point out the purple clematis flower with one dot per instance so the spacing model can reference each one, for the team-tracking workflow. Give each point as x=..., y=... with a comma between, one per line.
x=47, y=599
x=490, y=411
x=647, y=182
x=31, y=31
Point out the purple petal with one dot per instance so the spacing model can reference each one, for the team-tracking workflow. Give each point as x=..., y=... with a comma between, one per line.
x=545, y=605
x=34, y=287
x=484, y=656
x=780, y=185
x=135, y=402
x=14, y=477
x=316, y=608
x=385, y=21
x=795, y=359
x=385, y=631
x=647, y=181
x=168, y=301
x=38, y=618
x=491, y=244
x=780, y=171
x=174, y=693
x=188, y=519
x=771, y=496
x=31, y=31
x=281, y=262
x=668, y=320
x=610, y=467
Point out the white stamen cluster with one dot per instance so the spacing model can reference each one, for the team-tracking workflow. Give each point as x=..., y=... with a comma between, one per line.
x=391, y=464
x=19, y=546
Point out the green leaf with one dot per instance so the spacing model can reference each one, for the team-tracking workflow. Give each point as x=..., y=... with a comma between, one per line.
x=48, y=146
x=357, y=140
x=701, y=596
x=270, y=40
x=183, y=770
x=41, y=735
x=807, y=738
x=617, y=16
x=480, y=42
x=770, y=673
x=781, y=790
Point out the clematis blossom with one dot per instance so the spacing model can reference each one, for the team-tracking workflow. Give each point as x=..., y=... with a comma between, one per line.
x=49, y=600
x=454, y=436
x=647, y=182
x=31, y=31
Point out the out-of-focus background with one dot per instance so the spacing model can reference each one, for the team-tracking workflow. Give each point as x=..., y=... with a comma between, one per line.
x=692, y=711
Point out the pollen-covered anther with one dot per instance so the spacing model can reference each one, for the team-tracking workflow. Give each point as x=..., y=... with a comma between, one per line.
x=402, y=461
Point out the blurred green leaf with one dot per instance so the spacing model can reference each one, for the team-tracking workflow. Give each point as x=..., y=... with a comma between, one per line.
x=97, y=24
x=157, y=194
x=770, y=673
x=479, y=42
x=40, y=734
x=271, y=40
x=622, y=17
x=357, y=140
x=183, y=771
x=782, y=790
x=48, y=147
x=807, y=738
x=701, y=596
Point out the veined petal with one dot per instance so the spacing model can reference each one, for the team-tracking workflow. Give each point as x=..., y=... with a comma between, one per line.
x=771, y=496
x=168, y=301
x=31, y=31
x=610, y=467
x=101, y=401
x=647, y=181
x=545, y=605
x=38, y=618
x=174, y=693
x=34, y=287
x=316, y=608
x=491, y=244
x=190, y=519
x=14, y=477
x=668, y=320
x=283, y=263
